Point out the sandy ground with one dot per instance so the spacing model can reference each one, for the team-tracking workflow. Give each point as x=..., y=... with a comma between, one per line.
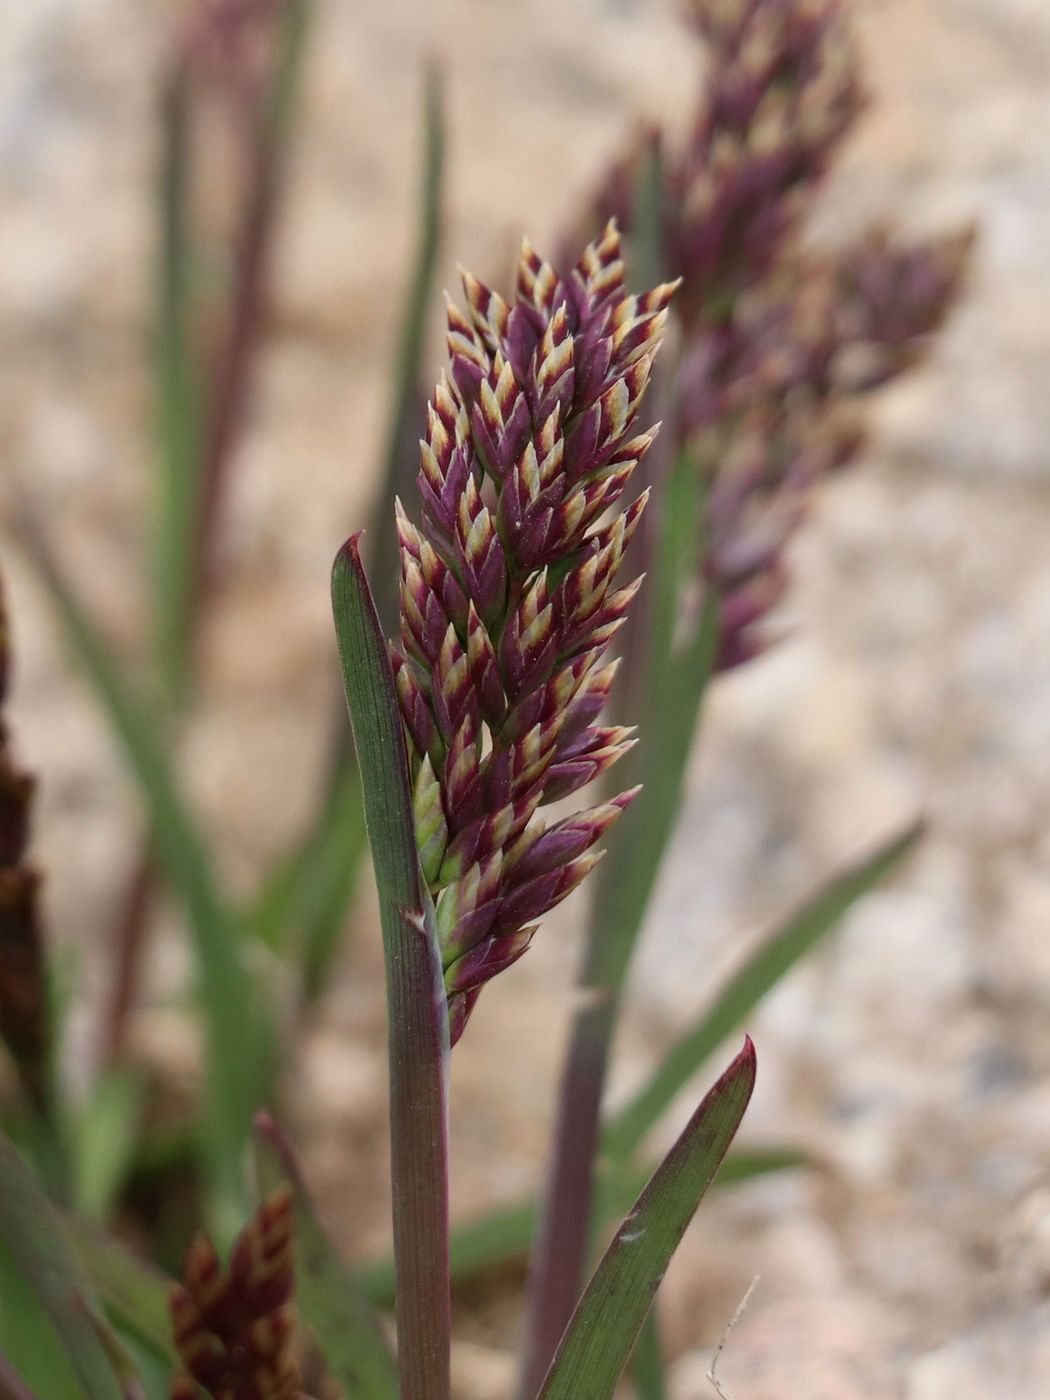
x=912, y=1055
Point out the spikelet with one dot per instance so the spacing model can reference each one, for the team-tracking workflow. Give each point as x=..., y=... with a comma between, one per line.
x=234, y=1324
x=510, y=599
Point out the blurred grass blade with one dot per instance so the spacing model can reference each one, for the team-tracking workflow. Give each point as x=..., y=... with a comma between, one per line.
x=303, y=905
x=506, y=1232
x=416, y=1007
x=30, y=1231
x=133, y=1293
x=179, y=411
x=200, y=409
x=647, y=252
x=294, y=20
x=28, y=1339
x=407, y=404
x=239, y=1063
x=120, y=1359
x=647, y=1363
x=154, y=1370
x=675, y=679
x=674, y=561
x=106, y=1136
x=598, y=1340
x=774, y=957
x=668, y=681
x=327, y=1293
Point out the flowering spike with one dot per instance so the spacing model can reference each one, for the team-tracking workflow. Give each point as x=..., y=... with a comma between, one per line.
x=776, y=340
x=507, y=600
x=233, y=1326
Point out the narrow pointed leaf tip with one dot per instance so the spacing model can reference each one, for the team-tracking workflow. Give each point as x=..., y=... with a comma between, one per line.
x=510, y=596
x=609, y=1316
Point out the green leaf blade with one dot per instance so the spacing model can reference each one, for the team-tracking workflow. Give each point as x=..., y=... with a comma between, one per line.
x=407, y=403
x=774, y=957
x=506, y=1232
x=416, y=1006
x=134, y=1294
x=606, y=1322
x=105, y=1137
x=647, y=1364
x=180, y=423
x=31, y=1234
x=239, y=1056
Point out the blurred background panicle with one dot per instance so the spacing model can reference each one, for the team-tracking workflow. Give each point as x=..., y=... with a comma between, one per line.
x=226, y=224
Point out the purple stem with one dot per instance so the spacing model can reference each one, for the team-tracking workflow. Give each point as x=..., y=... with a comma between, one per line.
x=559, y=1253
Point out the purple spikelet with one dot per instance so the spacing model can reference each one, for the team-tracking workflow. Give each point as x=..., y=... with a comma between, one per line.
x=510, y=597
x=234, y=1324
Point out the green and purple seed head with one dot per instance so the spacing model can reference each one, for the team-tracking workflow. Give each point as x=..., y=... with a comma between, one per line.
x=510, y=598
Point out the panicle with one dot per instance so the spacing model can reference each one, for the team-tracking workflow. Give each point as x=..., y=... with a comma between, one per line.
x=778, y=343
x=827, y=332
x=234, y=1324
x=510, y=595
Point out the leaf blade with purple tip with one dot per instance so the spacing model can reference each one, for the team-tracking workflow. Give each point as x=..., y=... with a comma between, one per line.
x=603, y=1328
